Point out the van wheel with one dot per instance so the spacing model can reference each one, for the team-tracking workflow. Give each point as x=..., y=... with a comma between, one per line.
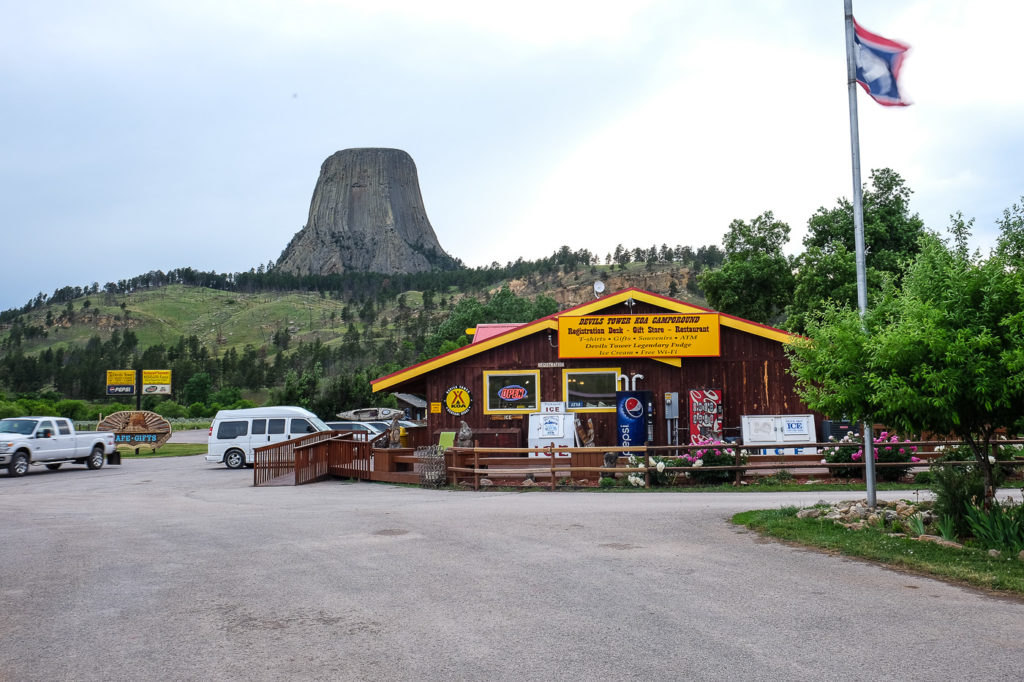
x=234, y=459
x=95, y=460
x=54, y=467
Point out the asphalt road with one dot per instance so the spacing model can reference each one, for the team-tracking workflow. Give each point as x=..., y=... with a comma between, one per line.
x=174, y=569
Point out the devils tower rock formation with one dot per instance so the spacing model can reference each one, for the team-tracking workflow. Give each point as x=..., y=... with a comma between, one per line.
x=366, y=215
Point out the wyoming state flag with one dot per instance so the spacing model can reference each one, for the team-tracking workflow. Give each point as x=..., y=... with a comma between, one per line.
x=878, y=63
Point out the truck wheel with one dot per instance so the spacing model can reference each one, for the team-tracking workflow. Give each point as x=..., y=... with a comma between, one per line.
x=18, y=465
x=54, y=467
x=234, y=459
x=95, y=460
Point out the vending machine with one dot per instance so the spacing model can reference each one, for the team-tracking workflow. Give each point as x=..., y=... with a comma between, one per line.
x=634, y=417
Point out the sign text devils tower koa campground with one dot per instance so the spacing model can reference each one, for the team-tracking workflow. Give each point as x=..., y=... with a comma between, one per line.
x=655, y=335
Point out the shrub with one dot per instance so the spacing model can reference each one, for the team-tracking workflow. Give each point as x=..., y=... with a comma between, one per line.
x=170, y=410
x=845, y=451
x=72, y=409
x=887, y=449
x=712, y=453
x=954, y=486
x=998, y=527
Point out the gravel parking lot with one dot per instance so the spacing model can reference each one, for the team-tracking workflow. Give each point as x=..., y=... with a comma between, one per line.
x=175, y=569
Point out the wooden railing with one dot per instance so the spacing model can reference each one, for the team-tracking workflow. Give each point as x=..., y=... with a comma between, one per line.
x=317, y=456
x=471, y=464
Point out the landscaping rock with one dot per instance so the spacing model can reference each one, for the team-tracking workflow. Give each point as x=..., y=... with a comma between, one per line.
x=808, y=513
x=486, y=483
x=935, y=539
x=995, y=553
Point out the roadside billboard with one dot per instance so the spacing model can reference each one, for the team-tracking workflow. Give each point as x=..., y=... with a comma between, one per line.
x=156, y=382
x=120, y=382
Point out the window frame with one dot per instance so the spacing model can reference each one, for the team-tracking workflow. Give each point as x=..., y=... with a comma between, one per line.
x=588, y=370
x=535, y=373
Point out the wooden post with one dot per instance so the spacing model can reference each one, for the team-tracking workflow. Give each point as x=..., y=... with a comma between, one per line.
x=647, y=469
x=476, y=465
x=736, y=461
x=551, y=459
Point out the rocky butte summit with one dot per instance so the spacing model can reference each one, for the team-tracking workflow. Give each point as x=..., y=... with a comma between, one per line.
x=366, y=215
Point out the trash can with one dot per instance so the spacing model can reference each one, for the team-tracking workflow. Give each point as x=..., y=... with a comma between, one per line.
x=114, y=457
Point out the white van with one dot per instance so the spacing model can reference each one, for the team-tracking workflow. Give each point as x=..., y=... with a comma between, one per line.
x=235, y=433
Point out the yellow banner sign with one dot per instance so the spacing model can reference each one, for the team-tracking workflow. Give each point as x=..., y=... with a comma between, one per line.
x=655, y=335
x=156, y=376
x=120, y=377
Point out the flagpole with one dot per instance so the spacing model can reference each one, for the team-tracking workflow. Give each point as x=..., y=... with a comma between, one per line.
x=858, y=232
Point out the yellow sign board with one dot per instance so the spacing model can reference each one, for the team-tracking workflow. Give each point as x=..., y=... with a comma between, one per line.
x=653, y=335
x=120, y=377
x=156, y=376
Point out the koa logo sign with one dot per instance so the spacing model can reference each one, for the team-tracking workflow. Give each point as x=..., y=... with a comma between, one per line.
x=457, y=400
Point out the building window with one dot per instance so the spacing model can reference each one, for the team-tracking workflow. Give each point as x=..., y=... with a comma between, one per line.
x=590, y=390
x=512, y=391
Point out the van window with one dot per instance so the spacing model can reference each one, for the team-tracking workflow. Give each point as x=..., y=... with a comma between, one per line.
x=63, y=427
x=276, y=426
x=229, y=430
x=301, y=426
x=259, y=427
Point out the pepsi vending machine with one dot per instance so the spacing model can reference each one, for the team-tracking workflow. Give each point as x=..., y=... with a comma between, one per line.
x=634, y=417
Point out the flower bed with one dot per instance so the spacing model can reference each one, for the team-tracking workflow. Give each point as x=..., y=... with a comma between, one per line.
x=887, y=449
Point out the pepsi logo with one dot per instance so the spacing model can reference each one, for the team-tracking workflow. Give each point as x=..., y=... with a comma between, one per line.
x=633, y=408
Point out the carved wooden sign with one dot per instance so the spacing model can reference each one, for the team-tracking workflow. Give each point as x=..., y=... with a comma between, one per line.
x=137, y=428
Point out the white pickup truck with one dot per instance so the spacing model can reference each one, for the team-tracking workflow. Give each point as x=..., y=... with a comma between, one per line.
x=51, y=441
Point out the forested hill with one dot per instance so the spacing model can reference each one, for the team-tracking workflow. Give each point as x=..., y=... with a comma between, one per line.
x=264, y=331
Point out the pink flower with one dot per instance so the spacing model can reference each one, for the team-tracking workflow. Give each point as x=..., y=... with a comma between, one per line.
x=856, y=456
x=915, y=459
x=902, y=451
x=883, y=434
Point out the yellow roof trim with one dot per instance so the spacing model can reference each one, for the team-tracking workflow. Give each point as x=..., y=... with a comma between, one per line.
x=551, y=323
x=466, y=351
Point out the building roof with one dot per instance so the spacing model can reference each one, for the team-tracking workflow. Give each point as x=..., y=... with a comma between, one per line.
x=491, y=329
x=412, y=400
x=550, y=323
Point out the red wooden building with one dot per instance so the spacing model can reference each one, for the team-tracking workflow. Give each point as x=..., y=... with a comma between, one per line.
x=496, y=381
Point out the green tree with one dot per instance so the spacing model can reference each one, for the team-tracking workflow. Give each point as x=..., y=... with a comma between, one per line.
x=755, y=280
x=943, y=353
x=826, y=271
x=197, y=388
x=503, y=306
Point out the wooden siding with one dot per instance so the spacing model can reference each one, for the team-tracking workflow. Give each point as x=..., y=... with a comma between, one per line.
x=751, y=372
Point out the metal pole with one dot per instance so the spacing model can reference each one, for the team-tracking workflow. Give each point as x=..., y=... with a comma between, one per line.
x=858, y=230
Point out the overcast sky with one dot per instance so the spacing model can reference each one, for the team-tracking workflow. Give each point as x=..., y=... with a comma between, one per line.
x=149, y=135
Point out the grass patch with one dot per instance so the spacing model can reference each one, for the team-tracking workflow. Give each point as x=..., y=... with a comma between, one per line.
x=165, y=450
x=968, y=566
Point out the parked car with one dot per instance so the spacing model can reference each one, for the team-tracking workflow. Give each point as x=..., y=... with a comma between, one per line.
x=234, y=434
x=51, y=441
x=363, y=430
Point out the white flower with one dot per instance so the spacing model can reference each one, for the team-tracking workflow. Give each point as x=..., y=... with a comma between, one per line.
x=991, y=459
x=661, y=467
x=824, y=461
x=698, y=463
x=642, y=465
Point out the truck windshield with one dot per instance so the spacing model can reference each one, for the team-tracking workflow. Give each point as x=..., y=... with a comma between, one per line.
x=23, y=426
